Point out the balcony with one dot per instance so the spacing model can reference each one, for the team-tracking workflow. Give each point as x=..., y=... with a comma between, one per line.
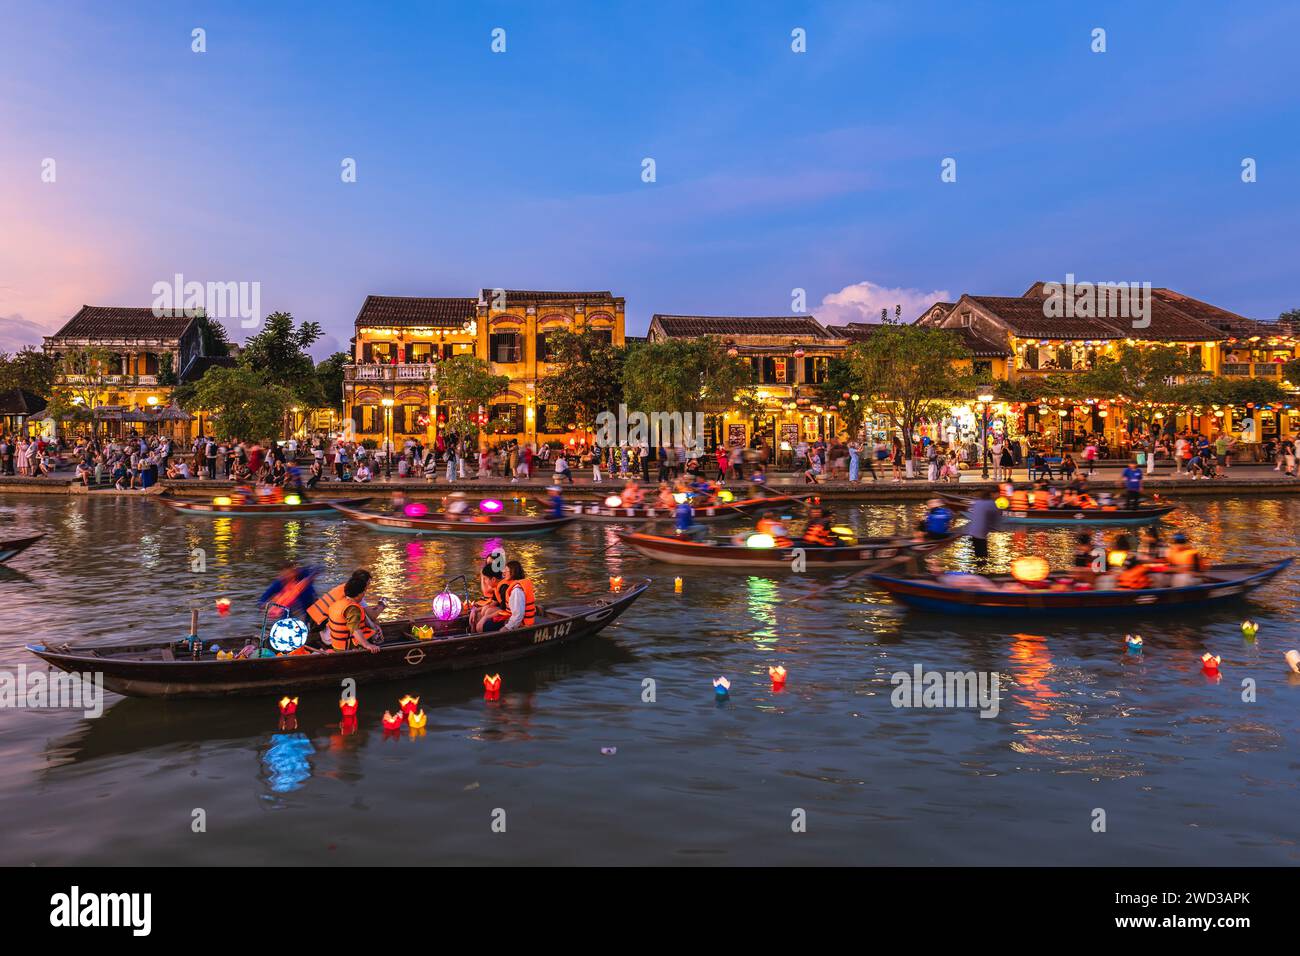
x=405, y=372
x=1252, y=369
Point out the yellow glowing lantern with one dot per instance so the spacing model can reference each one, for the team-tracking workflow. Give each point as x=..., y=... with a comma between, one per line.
x=292, y=500
x=725, y=495
x=616, y=583
x=1003, y=502
x=760, y=540
x=1116, y=559
x=677, y=585
x=1030, y=568
x=221, y=501
x=417, y=719
x=422, y=632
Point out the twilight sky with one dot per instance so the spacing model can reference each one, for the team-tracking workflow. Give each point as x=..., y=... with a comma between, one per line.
x=775, y=170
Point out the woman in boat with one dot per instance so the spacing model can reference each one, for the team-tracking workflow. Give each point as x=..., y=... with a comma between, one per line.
x=665, y=499
x=521, y=599
x=631, y=496
x=491, y=612
x=1135, y=575
x=769, y=525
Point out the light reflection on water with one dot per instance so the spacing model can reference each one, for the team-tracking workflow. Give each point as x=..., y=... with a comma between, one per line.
x=1187, y=770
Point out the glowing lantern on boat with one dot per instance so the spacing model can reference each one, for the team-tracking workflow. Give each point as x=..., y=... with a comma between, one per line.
x=1134, y=643
x=393, y=721
x=490, y=506
x=760, y=540
x=408, y=704
x=1116, y=559
x=1003, y=502
x=1250, y=629
x=1030, y=568
x=616, y=583
x=725, y=495
x=221, y=501
x=288, y=706
x=844, y=531
x=1210, y=663
x=223, y=606
x=777, y=674
x=446, y=606
x=680, y=497
x=417, y=720
x=491, y=686
x=348, y=706
x=422, y=632
x=287, y=635
x=415, y=510
x=613, y=501
x=292, y=499
x=721, y=686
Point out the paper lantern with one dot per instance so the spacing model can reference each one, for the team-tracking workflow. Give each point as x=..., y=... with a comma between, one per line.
x=223, y=606
x=490, y=506
x=1134, y=643
x=225, y=655
x=1030, y=568
x=408, y=703
x=415, y=510
x=1210, y=663
x=1250, y=629
x=721, y=686
x=680, y=497
x=1116, y=559
x=613, y=501
x=760, y=540
x=1293, y=660
x=287, y=635
x=446, y=606
x=393, y=721
x=616, y=583
x=348, y=706
x=725, y=495
x=1002, y=502
x=491, y=686
x=292, y=499
x=422, y=632
x=777, y=674
x=288, y=706
x=221, y=501
x=417, y=720
x=677, y=585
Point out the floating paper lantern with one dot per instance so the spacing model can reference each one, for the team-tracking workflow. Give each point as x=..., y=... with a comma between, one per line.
x=1293, y=660
x=408, y=704
x=288, y=706
x=844, y=531
x=348, y=706
x=490, y=506
x=446, y=606
x=1002, y=502
x=777, y=674
x=1134, y=643
x=292, y=499
x=422, y=632
x=415, y=510
x=221, y=501
x=223, y=606
x=613, y=501
x=287, y=635
x=1250, y=629
x=225, y=655
x=721, y=686
x=1210, y=663
x=616, y=583
x=609, y=751
x=416, y=720
x=1030, y=568
x=677, y=585
x=491, y=686
x=393, y=721
x=760, y=539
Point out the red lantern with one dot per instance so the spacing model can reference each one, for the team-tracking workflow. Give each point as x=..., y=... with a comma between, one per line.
x=408, y=704
x=1210, y=663
x=491, y=686
x=777, y=674
x=393, y=721
x=616, y=583
x=348, y=706
x=223, y=606
x=288, y=706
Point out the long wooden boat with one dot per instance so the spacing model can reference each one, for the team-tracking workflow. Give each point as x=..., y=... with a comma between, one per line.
x=1071, y=516
x=312, y=506
x=644, y=513
x=868, y=552
x=464, y=525
x=1224, y=583
x=165, y=669
x=17, y=545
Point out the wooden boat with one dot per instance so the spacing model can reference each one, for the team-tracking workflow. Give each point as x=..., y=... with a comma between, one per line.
x=931, y=593
x=868, y=552
x=16, y=546
x=464, y=525
x=272, y=509
x=165, y=669
x=644, y=513
x=1068, y=516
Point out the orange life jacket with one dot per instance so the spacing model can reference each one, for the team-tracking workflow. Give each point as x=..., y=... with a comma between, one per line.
x=320, y=611
x=1087, y=501
x=530, y=600
x=285, y=598
x=1019, y=500
x=1135, y=577
x=339, y=631
x=1040, y=500
x=1185, y=558
x=817, y=534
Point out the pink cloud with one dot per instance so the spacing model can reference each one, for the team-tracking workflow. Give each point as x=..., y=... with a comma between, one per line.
x=862, y=302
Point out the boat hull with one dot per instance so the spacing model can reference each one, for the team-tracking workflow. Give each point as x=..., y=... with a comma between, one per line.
x=875, y=552
x=469, y=526
x=400, y=656
x=207, y=509
x=15, y=546
x=644, y=514
x=926, y=594
x=1063, y=516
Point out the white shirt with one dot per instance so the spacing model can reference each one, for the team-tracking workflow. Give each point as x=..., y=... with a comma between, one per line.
x=518, y=605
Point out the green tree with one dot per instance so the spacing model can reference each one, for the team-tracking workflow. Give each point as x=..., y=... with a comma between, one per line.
x=242, y=402
x=280, y=352
x=329, y=375
x=29, y=369
x=1146, y=380
x=910, y=374
x=84, y=374
x=585, y=377
x=687, y=376
x=841, y=390
x=464, y=383
x=216, y=341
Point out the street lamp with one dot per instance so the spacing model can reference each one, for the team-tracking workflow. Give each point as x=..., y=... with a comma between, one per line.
x=388, y=440
x=1064, y=414
x=985, y=398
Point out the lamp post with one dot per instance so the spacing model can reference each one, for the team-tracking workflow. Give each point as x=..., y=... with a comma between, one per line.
x=388, y=440
x=985, y=398
x=1064, y=414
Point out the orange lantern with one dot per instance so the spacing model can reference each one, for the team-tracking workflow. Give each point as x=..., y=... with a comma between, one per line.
x=348, y=706
x=408, y=704
x=1030, y=569
x=616, y=583
x=288, y=706
x=777, y=674
x=491, y=686
x=417, y=719
x=393, y=721
x=223, y=606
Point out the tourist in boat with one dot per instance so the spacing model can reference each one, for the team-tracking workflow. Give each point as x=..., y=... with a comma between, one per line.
x=631, y=495
x=817, y=534
x=490, y=612
x=770, y=525
x=555, y=502
x=347, y=625
x=292, y=590
x=1185, y=562
x=1082, y=552
x=521, y=599
x=318, y=611
x=664, y=499
x=1135, y=574
x=684, y=517
x=937, y=522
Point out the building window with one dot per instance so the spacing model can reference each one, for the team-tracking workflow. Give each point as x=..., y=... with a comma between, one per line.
x=506, y=347
x=368, y=419
x=604, y=336
x=508, y=412
x=420, y=352
x=815, y=369
x=543, y=346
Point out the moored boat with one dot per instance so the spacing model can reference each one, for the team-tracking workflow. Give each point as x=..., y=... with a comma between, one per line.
x=466, y=524
x=166, y=669
x=223, y=505
x=17, y=545
x=1000, y=596
x=643, y=513
x=867, y=552
x=1071, y=516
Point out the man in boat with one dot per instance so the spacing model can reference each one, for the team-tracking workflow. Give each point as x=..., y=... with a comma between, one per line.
x=347, y=625
x=318, y=611
x=1186, y=563
x=521, y=599
x=1132, y=476
x=984, y=516
x=555, y=502
x=455, y=506
x=937, y=522
x=769, y=525
x=490, y=612
x=292, y=590
x=683, y=516
x=1135, y=574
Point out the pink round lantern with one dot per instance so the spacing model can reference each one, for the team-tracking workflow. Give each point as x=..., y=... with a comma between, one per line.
x=446, y=606
x=416, y=510
x=490, y=506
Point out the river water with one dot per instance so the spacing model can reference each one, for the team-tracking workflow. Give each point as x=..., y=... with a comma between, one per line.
x=582, y=769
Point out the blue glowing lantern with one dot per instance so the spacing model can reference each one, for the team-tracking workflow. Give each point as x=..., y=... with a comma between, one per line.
x=287, y=635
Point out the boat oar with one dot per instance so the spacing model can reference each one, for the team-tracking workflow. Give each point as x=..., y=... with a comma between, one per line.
x=841, y=582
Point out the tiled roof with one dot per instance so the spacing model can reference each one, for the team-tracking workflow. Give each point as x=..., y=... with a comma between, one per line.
x=534, y=297
x=688, y=325
x=1025, y=318
x=1174, y=317
x=115, y=322
x=18, y=401
x=1221, y=320
x=401, y=310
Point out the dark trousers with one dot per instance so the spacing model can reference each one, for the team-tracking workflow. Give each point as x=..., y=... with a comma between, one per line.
x=981, y=547
x=1132, y=499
